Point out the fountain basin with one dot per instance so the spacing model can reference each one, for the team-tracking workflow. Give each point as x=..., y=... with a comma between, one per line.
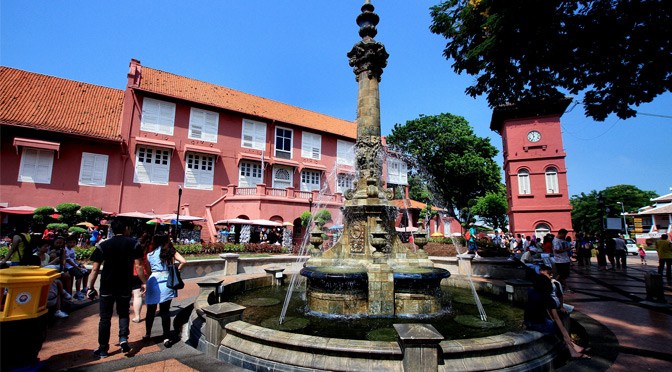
x=337, y=290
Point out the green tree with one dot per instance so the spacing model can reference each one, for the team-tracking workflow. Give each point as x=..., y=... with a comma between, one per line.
x=617, y=53
x=586, y=212
x=492, y=208
x=321, y=218
x=456, y=165
x=418, y=190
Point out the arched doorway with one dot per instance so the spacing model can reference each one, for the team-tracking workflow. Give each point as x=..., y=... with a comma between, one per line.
x=541, y=230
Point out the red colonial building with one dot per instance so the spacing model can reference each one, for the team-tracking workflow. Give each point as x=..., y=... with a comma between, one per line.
x=234, y=155
x=534, y=166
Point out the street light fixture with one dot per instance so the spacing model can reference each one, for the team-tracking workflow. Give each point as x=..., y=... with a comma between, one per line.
x=625, y=224
x=177, y=215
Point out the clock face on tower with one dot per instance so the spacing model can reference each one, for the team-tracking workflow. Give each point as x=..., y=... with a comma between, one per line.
x=533, y=136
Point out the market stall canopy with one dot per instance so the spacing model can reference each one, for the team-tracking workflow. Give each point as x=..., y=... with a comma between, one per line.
x=287, y=224
x=183, y=217
x=24, y=209
x=265, y=223
x=230, y=221
x=137, y=214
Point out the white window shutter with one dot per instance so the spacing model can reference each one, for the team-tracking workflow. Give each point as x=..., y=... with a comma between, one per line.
x=196, y=123
x=210, y=125
x=259, y=136
x=27, y=171
x=167, y=118
x=93, y=171
x=100, y=170
x=150, y=115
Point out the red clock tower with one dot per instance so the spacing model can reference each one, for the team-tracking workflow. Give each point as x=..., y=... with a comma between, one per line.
x=534, y=166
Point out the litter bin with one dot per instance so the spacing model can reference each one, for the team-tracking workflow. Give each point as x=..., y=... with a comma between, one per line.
x=23, y=313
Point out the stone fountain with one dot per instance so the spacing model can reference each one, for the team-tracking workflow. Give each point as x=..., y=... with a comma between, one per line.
x=369, y=271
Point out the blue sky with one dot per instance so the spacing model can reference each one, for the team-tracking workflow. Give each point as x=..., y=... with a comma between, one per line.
x=294, y=52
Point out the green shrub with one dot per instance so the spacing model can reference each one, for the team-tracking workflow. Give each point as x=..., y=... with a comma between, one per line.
x=84, y=253
x=4, y=251
x=91, y=214
x=263, y=248
x=76, y=230
x=57, y=227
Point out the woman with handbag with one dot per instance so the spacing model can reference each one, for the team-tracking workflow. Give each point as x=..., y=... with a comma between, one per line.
x=160, y=255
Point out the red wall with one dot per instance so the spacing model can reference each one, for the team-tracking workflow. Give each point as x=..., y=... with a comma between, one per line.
x=526, y=211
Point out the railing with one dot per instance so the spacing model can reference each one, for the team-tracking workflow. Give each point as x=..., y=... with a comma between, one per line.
x=276, y=192
x=246, y=191
x=303, y=194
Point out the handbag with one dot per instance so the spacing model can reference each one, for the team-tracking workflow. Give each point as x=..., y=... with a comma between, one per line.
x=174, y=278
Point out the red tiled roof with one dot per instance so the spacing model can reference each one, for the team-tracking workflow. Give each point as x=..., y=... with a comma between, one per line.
x=49, y=103
x=180, y=87
x=411, y=204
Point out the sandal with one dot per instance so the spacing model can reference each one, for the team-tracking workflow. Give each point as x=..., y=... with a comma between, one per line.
x=136, y=320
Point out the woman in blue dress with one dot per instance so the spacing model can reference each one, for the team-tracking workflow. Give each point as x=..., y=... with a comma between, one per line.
x=159, y=255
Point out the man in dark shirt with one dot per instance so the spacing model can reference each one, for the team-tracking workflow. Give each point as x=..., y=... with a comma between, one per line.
x=119, y=254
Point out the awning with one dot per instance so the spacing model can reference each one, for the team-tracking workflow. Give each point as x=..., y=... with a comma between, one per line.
x=202, y=149
x=24, y=209
x=137, y=214
x=183, y=217
x=288, y=162
x=233, y=221
x=314, y=166
x=251, y=156
x=27, y=142
x=265, y=223
x=155, y=142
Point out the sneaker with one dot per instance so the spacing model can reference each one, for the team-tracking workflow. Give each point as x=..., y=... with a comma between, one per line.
x=125, y=347
x=60, y=314
x=167, y=342
x=67, y=296
x=100, y=353
x=79, y=296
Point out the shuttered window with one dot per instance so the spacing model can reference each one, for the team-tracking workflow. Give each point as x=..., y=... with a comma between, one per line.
x=157, y=116
x=93, y=170
x=152, y=165
x=203, y=125
x=310, y=180
x=199, y=171
x=282, y=177
x=311, y=146
x=250, y=174
x=36, y=165
x=345, y=153
x=552, y=180
x=397, y=172
x=524, y=182
x=254, y=134
x=344, y=182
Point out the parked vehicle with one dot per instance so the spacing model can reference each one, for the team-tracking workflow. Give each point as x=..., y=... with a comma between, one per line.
x=631, y=247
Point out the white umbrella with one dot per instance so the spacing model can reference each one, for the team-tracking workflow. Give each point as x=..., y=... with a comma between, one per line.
x=265, y=223
x=137, y=214
x=228, y=221
x=183, y=217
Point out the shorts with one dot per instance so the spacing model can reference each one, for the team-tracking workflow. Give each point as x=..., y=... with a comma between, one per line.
x=136, y=283
x=77, y=272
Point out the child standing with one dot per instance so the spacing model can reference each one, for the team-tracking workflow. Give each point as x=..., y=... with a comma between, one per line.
x=642, y=255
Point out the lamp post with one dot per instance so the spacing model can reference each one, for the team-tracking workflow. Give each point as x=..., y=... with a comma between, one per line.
x=177, y=215
x=625, y=224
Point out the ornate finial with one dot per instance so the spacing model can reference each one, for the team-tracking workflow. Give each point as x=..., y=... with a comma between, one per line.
x=368, y=54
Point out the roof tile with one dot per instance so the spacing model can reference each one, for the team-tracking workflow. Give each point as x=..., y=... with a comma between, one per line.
x=180, y=87
x=50, y=103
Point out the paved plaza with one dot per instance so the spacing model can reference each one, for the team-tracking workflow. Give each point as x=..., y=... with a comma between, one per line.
x=625, y=335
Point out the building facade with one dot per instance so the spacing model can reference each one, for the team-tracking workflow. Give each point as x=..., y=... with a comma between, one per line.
x=534, y=166
x=234, y=155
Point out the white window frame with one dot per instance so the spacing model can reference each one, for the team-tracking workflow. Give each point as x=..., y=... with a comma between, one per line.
x=345, y=153
x=93, y=169
x=524, y=184
x=310, y=180
x=291, y=142
x=344, y=181
x=250, y=174
x=552, y=186
x=397, y=171
x=203, y=125
x=39, y=168
x=311, y=146
x=199, y=170
x=157, y=116
x=253, y=135
x=152, y=165
x=282, y=183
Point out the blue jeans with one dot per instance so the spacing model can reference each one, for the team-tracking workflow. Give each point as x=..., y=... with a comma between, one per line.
x=106, y=307
x=547, y=327
x=472, y=246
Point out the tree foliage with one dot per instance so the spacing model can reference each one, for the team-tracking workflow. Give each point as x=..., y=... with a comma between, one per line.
x=492, y=208
x=587, y=213
x=443, y=150
x=618, y=53
x=320, y=218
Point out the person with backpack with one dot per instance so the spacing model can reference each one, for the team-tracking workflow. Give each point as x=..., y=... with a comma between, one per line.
x=21, y=249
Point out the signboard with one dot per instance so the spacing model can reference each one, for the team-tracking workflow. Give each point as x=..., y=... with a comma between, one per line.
x=613, y=223
x=638, y=225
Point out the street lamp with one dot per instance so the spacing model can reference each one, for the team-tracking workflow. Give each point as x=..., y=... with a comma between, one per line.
x=623, y=214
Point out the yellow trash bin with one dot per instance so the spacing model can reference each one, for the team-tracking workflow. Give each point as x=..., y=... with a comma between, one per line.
x=23, y=313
